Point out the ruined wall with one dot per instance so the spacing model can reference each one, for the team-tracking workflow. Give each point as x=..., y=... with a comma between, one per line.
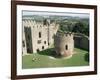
x=81, y=41
x=27, y=37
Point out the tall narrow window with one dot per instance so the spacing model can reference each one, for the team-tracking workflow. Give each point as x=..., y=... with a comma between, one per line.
x=39, y=34
x=44, y=42
x=66, y=47
x=42, y=47
x=38, y=50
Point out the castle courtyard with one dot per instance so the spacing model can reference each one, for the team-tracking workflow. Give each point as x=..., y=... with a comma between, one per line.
x=43, y=60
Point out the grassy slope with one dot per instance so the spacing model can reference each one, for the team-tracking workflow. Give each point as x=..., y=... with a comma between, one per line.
x=43, y=60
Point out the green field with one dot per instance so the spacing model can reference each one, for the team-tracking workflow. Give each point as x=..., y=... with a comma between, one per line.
x=47, y=58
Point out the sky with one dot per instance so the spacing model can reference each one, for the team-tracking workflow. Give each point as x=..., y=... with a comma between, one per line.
x=46, y=14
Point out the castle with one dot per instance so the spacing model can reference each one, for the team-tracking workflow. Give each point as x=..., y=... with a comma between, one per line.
x=37, y=35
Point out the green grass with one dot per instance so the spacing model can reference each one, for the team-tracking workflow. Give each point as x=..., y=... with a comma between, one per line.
x=43, y=60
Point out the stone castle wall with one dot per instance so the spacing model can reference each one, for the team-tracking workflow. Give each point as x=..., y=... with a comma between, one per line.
x=71, y=40
x=81, y=41
x=64, y=44
x=41, y=35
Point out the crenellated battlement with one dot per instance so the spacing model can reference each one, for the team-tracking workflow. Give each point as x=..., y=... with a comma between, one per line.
x=64, y=34
x=38, y=24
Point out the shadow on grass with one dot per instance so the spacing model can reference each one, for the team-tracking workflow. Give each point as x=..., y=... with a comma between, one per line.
x=86, y=57
x=82, y=48
x=49, y=52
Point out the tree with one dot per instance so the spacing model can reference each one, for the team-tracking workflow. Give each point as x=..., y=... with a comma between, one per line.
x=81, y=27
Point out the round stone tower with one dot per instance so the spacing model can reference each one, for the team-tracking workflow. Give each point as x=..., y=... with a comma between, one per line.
x=64, y=44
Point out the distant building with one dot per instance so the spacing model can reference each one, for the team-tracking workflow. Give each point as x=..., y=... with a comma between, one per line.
x=37, y=34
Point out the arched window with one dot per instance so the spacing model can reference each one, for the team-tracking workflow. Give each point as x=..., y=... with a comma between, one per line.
x=39, y=34
x=66, y=47
x=42, y=47
x=38, y=50
x=44, y=42
x=48, y=43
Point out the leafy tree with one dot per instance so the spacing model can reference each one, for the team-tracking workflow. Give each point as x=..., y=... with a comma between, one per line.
x=81, y=27
x=76, y=26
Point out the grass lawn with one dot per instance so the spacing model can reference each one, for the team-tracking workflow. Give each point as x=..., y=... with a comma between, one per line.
x=45, y=59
